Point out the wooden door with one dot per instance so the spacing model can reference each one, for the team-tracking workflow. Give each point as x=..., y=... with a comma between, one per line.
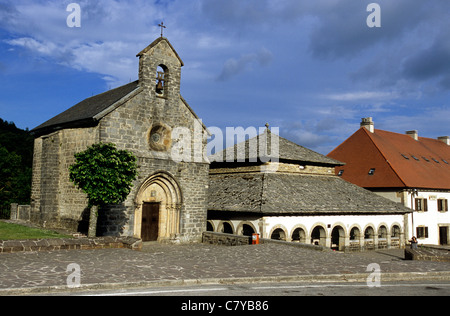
x=150, y=221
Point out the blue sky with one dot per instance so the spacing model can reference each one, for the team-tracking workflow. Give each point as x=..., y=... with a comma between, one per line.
x=311, y=68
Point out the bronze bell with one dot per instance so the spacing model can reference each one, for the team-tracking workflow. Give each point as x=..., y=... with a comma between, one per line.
x=159, y=86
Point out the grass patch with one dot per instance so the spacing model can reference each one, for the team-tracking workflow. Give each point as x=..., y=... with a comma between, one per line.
x=15, y=232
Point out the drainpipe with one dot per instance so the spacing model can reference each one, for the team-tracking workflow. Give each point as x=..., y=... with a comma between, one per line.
x=413, y=192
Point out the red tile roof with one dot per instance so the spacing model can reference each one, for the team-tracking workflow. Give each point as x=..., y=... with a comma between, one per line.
x=399, y=160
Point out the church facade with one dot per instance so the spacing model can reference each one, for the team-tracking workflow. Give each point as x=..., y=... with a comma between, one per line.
x=168, y=199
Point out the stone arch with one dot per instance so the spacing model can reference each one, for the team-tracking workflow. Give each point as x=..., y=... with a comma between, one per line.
x=319, y=235
x=369, y=237
x=396, y=230
x=338, y=235
x=299, y=233
x=396, y=235
x=278, y=232
x=210, y=226
x=382, y=230
x=160, y=188
x=355, y=232
x=246, y=229
x=369, y=231
x=162, y=80
x=225, y=227
x=383, y=236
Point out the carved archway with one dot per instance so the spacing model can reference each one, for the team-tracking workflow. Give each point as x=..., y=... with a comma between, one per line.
x=163, y=189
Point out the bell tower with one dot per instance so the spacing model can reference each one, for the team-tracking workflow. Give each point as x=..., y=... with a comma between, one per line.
x=160, y=69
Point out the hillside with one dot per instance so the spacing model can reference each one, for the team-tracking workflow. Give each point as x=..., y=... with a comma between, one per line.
x=16, y=157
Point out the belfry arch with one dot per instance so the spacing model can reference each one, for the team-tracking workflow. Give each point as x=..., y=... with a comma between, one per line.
x=161, y=193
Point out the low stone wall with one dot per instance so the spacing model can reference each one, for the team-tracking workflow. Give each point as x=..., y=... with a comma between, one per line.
x=225, y=239
x=428, y=254
x=238, y=240
x=294, y=244
x=12, y=246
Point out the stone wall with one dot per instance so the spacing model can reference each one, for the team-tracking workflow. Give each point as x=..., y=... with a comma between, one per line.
x=225, y=239
x=129, y=123
x=12, y=246
x=55, y=201
x=20, y=212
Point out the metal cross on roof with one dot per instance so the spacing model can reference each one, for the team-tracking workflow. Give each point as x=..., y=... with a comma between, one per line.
x=162, y=28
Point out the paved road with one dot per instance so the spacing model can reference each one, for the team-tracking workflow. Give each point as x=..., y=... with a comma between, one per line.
x=424, y=288
x=199, y=263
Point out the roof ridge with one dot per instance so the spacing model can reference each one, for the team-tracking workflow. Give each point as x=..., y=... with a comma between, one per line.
x=287, y=151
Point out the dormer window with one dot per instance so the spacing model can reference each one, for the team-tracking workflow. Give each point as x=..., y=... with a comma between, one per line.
x=372, y=172
x=161, y=80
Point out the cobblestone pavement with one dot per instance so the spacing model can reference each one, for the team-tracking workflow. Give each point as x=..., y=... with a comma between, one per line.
x=165, y=263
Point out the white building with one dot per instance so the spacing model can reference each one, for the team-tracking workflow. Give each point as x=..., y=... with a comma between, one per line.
x=298, y=197
x=405, y=168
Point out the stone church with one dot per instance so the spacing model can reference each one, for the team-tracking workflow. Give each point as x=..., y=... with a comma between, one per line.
x=178, y=195
x=168, y=200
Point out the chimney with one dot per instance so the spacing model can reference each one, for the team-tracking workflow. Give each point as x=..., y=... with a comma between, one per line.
x=445, y=140
x=414, y=134
x=368, y=124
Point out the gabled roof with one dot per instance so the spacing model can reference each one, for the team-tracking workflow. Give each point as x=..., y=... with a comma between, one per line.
x=292, y=194
x=84, y=113
x=288, y=151
x=399, y=160
x=156, y=42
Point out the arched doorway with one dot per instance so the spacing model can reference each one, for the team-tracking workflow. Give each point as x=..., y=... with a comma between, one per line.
x=318, y=236
x=278, y=234
x=299, y=235
x=338, y=238
x=247, y=230
x=158, y=206
x=225, y=228
x=369, y=238
x=209, y=226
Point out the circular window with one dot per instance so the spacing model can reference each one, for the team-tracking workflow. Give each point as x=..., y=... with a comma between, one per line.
x=160, y=138
x=156, y=138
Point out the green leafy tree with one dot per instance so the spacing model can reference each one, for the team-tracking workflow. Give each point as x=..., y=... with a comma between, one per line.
x=106, y=175
x=9, y=168
x=16, y=156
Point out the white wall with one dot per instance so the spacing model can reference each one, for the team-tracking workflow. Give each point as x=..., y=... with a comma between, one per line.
x=431, y=219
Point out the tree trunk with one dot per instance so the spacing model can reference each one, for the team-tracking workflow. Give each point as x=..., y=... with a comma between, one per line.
x=93, y=216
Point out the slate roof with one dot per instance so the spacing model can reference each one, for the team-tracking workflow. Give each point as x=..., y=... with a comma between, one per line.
x=287, y=152
x=399, y=160
x=293, y=194
x=83, y=113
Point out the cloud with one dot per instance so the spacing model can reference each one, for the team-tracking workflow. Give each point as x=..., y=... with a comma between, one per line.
x=431, y=62
x=233, y=67
x=361, y=95
x=34, y=45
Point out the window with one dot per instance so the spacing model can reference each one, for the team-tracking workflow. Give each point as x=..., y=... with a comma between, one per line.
x=422, y=232
x=426, y=159
x=442, y=205
x=371, y=172
x=341, y=172
x=421, y=205
x=161, y=80
x=404, y=156
x=415, y=158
